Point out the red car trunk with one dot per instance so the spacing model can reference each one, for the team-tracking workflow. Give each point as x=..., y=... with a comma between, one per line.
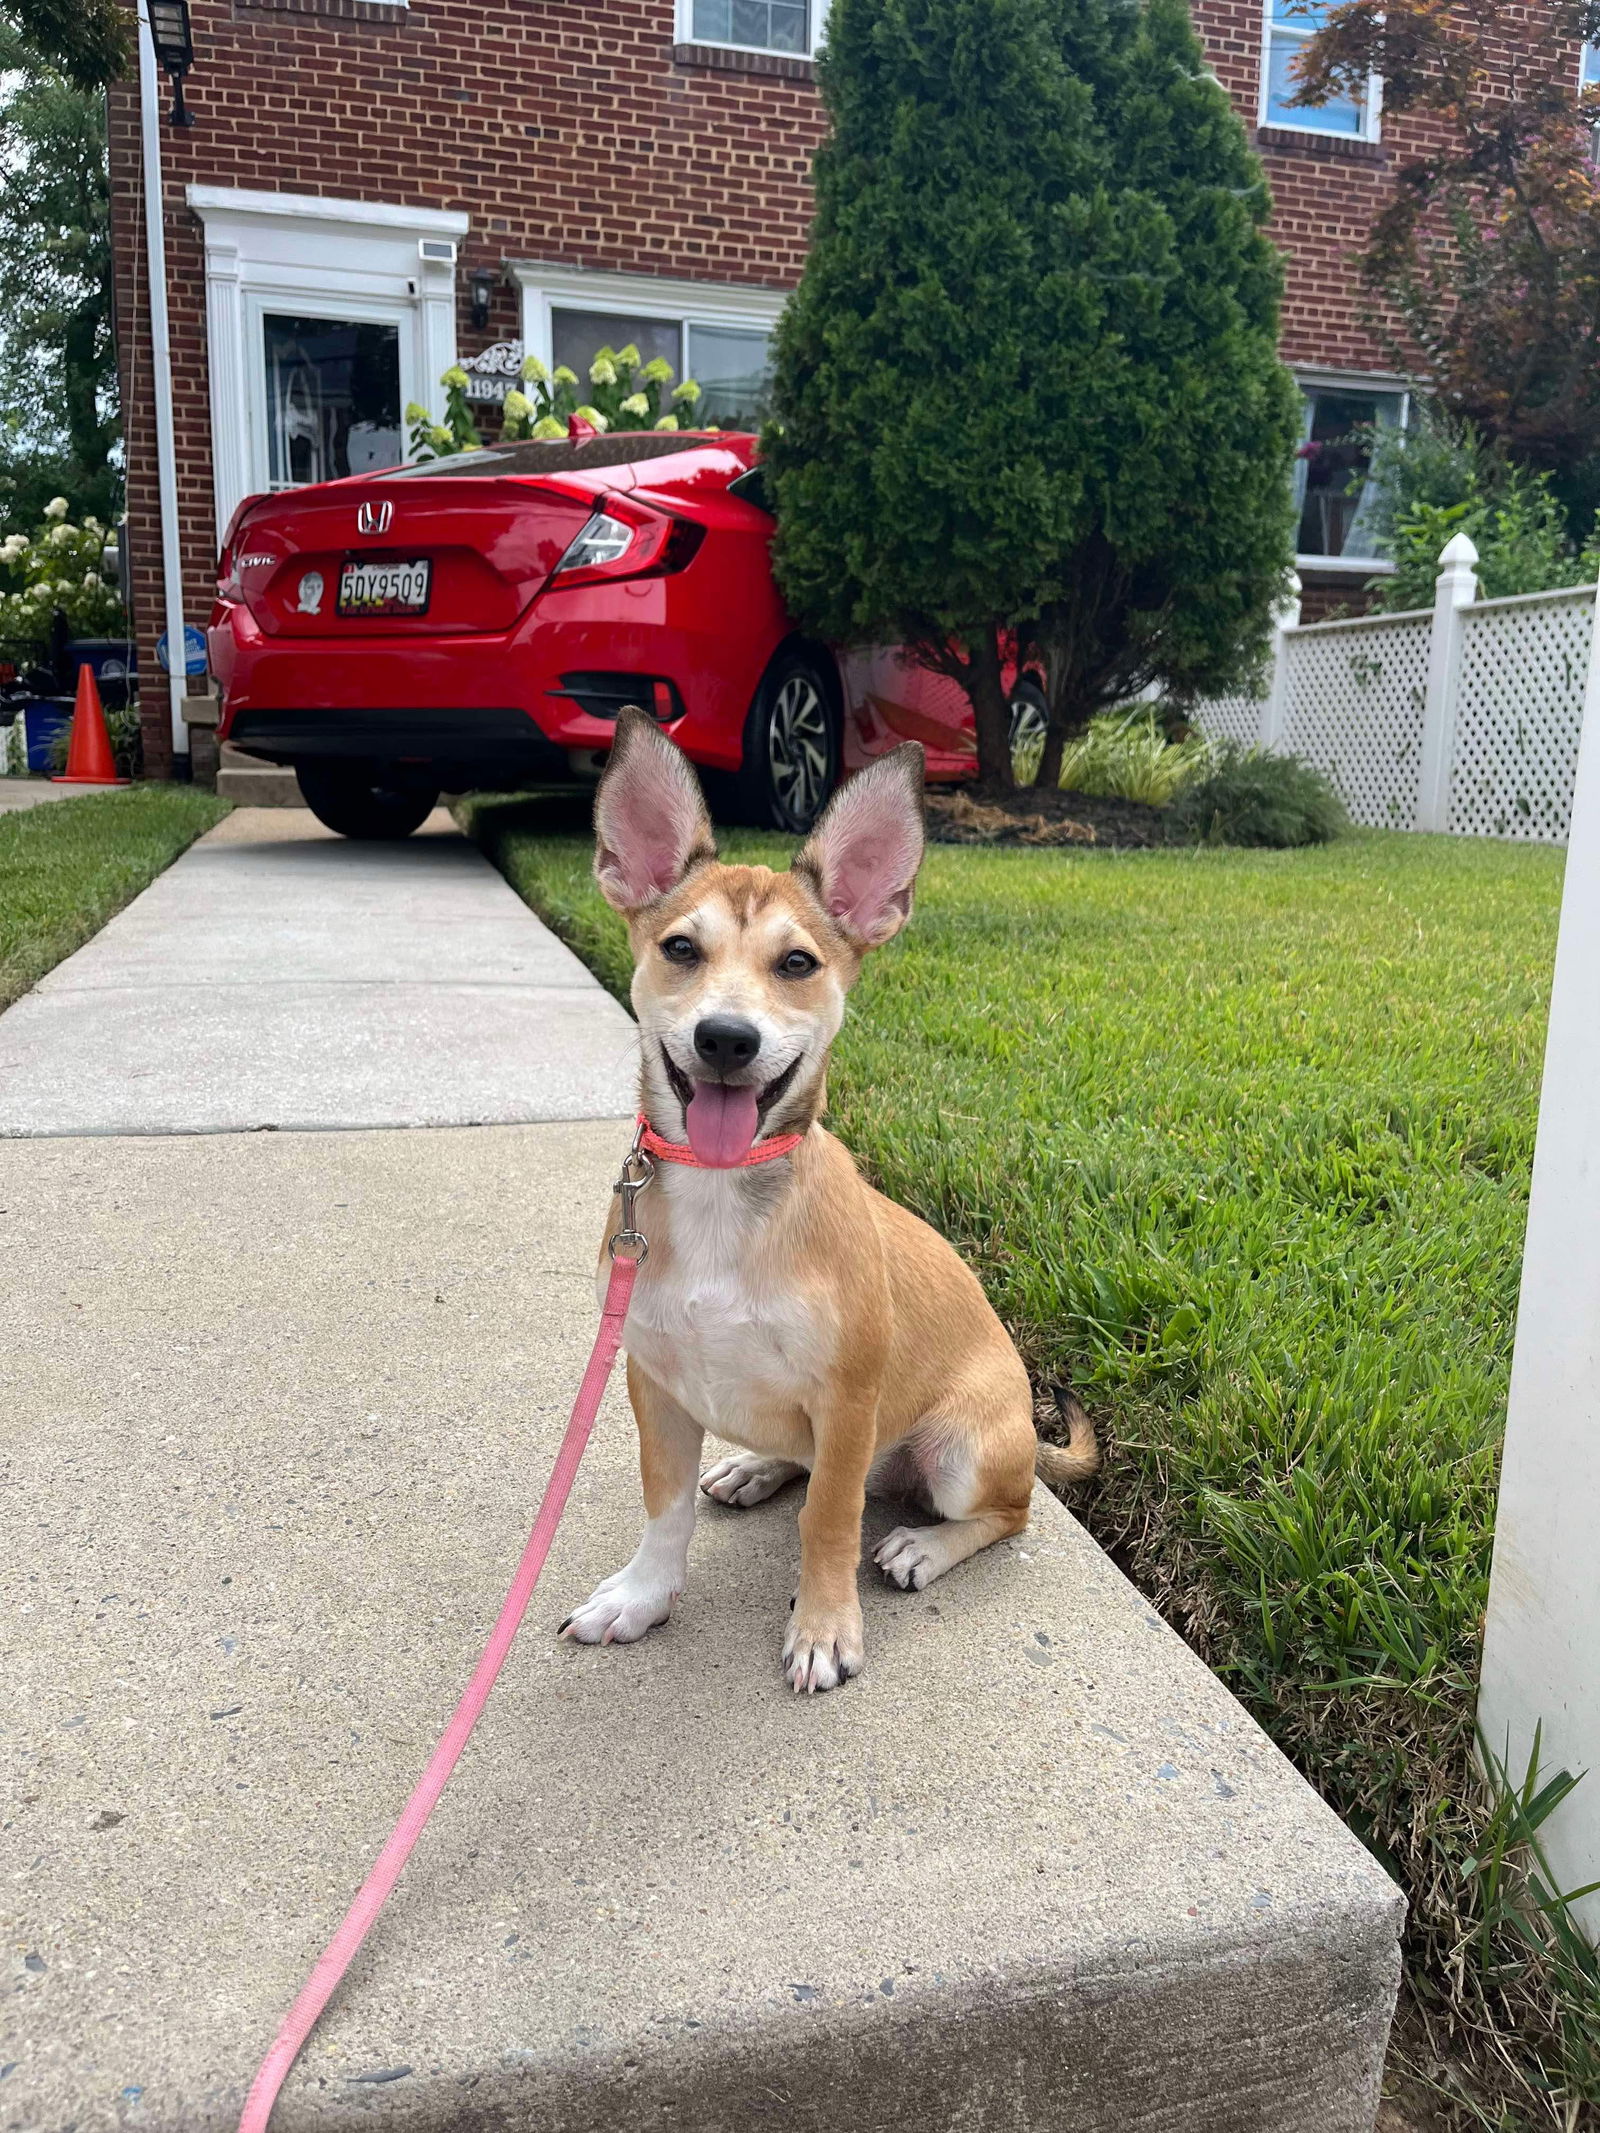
x=370, y=557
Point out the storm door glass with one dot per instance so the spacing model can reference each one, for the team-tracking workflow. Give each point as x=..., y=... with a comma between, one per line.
x=333, y=397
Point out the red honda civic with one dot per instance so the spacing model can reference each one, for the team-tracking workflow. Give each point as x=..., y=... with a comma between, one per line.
x=477, y=622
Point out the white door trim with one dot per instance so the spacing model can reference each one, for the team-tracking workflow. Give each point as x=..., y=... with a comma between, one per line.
x=362, y=258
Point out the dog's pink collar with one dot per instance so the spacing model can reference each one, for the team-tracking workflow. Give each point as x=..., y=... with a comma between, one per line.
x=681, y=1152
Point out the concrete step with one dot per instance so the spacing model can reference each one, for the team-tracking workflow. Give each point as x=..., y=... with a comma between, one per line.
x=249, y=782
x=284, y=1407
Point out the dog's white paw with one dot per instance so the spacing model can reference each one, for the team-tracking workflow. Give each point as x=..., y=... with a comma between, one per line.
x=823, y=1649
x=746, y=1478
x=620, y=1609
x=911, y=1556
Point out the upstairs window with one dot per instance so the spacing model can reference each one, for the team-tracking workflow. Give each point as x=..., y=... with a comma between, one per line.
x=792, y=27
x=1290, y=26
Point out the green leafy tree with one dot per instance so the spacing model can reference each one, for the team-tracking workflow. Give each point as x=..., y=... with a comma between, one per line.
x=57, y=359
x=1028, y=385
x=1483, y=263
x=90, y=42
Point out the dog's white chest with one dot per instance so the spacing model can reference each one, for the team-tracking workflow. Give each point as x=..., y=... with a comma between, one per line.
x=739, y=1352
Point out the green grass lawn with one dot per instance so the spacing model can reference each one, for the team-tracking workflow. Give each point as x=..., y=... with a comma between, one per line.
x=1240, y=1143
x=66, y=866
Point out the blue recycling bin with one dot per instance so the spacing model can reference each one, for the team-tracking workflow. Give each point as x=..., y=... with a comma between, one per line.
x=113, y=663
x=44, y=720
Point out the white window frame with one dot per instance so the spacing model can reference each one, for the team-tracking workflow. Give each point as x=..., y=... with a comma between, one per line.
x=685, y=33
x=1353, y=381
x=1371, y=108
x=547, y=289
x=315, y=257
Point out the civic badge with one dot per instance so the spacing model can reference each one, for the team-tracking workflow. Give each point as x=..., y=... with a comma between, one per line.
x=374, y=518
x=311, y=593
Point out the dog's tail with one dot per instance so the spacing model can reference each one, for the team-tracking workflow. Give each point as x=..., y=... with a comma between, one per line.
x=1079, y=1457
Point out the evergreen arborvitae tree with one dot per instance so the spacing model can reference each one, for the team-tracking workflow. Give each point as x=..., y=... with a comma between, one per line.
x=1029, y=381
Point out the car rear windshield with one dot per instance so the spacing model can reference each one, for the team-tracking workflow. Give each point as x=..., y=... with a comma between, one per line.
x=557, y=455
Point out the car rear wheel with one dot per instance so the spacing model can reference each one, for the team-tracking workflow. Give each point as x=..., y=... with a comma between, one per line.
x=791, y=743
x=1030, y=716
x=364, y=800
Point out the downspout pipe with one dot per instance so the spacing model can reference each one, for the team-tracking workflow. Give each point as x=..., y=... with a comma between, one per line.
x=155, y=246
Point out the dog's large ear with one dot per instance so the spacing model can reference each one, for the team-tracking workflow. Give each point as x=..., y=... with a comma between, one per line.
x=650, y=820
x=861, y=860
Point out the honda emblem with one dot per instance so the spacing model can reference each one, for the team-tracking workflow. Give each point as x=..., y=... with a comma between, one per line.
x=374, y=518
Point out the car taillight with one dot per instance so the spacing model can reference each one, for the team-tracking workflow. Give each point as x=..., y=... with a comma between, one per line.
x=611, y=547
x=604, y=540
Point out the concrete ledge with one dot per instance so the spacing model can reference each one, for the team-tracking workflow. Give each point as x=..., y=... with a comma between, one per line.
x=275, y=1432
x=248, y=781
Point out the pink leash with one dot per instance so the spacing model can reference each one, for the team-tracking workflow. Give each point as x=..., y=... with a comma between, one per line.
x=628, y=1251
x=340, y=1952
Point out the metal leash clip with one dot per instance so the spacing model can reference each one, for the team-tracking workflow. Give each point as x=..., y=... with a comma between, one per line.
x=637, y=1171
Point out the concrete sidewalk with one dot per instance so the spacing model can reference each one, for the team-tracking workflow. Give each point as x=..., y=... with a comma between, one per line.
x=278, y=976
x=278, y=1409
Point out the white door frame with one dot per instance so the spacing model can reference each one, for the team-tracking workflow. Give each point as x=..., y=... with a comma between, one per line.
x=317, y=258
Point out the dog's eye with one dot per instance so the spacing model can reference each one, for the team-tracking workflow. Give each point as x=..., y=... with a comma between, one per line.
x=678, y=948
x=797, y=964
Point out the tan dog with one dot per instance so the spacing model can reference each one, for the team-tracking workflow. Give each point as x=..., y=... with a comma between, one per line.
x=789, y=1308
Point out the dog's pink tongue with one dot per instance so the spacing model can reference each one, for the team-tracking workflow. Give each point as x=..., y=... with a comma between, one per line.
x=721, y=1123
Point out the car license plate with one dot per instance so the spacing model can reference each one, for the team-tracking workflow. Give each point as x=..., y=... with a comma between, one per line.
x=396, y=587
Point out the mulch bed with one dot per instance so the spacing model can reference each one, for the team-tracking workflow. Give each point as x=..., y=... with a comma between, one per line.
x=1033, y=816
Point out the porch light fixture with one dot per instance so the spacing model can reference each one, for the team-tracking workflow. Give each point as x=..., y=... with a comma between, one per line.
x=481, y=285
x=174, y=49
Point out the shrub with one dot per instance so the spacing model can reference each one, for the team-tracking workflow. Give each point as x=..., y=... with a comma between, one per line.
x=1250, y=797
x=59, y=567
x=1440, y=478
x=1029, y=381
x=1127, y=757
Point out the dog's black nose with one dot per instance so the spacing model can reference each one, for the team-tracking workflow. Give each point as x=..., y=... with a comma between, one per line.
x=726, y=1041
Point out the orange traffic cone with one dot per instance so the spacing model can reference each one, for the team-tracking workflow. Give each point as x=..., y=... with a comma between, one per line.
x=89, y=757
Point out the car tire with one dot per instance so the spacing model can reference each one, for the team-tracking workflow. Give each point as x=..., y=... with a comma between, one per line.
x=1030, y=716
x=360, y=800
x=793, y=750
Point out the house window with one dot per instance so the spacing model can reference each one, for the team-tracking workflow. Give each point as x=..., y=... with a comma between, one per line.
x=790, y=26
x=1335, y=498
x=1290, y=26
x=718, y=334
x=728, y=363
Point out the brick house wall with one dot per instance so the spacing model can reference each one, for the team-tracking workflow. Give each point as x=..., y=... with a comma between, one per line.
x=575, y=133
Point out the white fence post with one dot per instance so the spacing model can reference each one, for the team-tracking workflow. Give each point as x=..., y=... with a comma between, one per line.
x=1543, y=1631
x=1455, y=587
x=1275, y=704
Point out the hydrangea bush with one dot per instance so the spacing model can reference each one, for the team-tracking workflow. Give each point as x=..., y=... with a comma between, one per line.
x=625, y=393
x=60, y=567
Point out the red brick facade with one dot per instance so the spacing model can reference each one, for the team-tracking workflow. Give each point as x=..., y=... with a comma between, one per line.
x=578, y=133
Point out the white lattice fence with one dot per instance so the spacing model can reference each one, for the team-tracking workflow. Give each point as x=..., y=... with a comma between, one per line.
x=1353, y=700
x=1464, y=716
x=1231, y=718
x=1518, y=715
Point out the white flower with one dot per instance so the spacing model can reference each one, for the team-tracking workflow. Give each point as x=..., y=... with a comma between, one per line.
x=592, y=416
x=93, y=578
x=56, y=508
x=533, y=370
x=602, y=371
x=636, y=404
x=13, y=545
x=60, y=535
